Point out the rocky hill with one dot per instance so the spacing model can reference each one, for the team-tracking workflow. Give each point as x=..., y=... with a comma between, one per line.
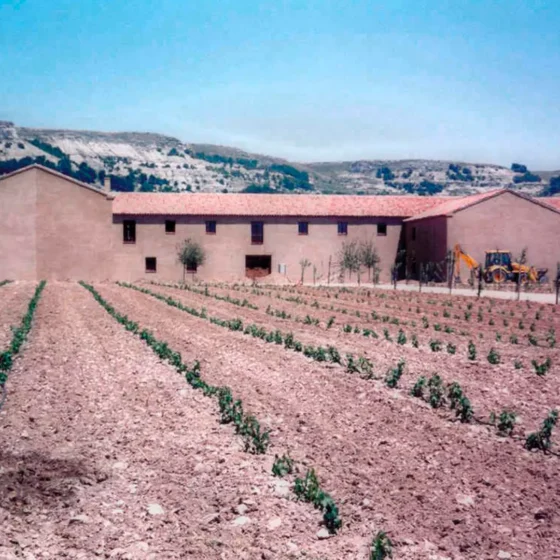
x=154, y=162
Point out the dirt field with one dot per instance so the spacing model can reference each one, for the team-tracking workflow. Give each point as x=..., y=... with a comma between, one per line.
x=97, y=433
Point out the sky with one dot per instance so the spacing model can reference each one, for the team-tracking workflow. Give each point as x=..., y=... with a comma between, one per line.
x=315, y=80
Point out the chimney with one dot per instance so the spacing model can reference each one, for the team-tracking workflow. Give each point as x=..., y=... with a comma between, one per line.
x=107, y=184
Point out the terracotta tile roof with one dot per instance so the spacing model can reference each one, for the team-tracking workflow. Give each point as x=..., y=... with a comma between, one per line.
x=551, y=201
x=199, y=204
x=454, y=204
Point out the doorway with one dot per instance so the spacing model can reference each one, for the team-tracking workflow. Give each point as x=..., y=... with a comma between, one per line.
x=258, y=266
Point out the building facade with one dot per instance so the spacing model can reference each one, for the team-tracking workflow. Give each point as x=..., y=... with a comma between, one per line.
x=54, y=227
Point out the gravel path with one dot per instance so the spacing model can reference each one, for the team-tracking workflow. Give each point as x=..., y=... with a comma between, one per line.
x=441, y=490
x=14, y=298
x=108, y=453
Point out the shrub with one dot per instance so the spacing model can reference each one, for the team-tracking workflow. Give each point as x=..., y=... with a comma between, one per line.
x=454, y=393
x=435, y=345
x=541, y=369
x=451, y=348
x=506, y=422
x=435, y=387
x=282, y=465
x=308, y=489
x=381, y=547
x=330, y=322
x=418, y=388
x=464, y=410
x=394, y=374
x=471, y=353
x=542, y=439
x=493, y=357
x=401, y=338
x=414, y=341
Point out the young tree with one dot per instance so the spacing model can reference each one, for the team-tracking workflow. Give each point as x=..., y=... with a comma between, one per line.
x=368, y=256
x=304, y=263
x=191, y=255
x=349, y=258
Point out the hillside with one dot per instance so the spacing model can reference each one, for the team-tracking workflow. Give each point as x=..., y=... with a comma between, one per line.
x=155, y=162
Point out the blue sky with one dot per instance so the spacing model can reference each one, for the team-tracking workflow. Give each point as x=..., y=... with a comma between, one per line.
x=313, y=80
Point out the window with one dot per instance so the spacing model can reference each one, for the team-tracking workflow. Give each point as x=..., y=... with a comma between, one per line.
x=211, y=227
x=129, y=231
x=342, y=228
x=169, y=226
x=413, y=234
x=151, y=264
x=257, y=233
x=381, y=229
x=192, y=267
x=303, y=228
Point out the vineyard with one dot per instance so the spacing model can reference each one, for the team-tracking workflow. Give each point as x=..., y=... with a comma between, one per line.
x=234, y=421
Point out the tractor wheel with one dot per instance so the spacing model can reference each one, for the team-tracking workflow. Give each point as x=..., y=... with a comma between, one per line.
x=499, y=275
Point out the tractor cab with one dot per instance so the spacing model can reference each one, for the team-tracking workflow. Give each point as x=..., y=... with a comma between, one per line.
x=498, y=258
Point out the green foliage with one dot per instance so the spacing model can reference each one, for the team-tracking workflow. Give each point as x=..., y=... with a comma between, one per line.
x=414, y=341
x=394, y=374
x=436, y=391
x=541, y=369
x=464, y=410
x=419, y=386
x=551, y=337
x=401, y=338
x=381, y=547
x=527, y=177
x=451, y=348
x=518, y=364
x=454, y=393
x=191, y=254
x=309, y=490
x=493, y=357
x=506, y=422
x=282, y=465
x=330, y=322
x=541, y=440
x=435, y=345
x=231, y=410
x=19, y=335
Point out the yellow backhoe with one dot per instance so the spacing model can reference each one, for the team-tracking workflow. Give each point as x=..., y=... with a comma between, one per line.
x=498, y=268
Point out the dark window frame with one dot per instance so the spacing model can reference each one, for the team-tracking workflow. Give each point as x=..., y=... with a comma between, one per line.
x=342, y=228
x=211, y=227
x=170, y=227
x=149, y=269
x=129, y=231
x=303, y=226
x=382, y=229
x=256, y=237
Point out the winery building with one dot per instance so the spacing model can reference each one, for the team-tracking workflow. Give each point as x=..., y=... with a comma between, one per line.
x=54, y=227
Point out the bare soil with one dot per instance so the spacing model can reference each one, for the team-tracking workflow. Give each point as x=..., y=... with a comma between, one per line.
x=491, y=388
x=440, y=489
x=108, y=453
